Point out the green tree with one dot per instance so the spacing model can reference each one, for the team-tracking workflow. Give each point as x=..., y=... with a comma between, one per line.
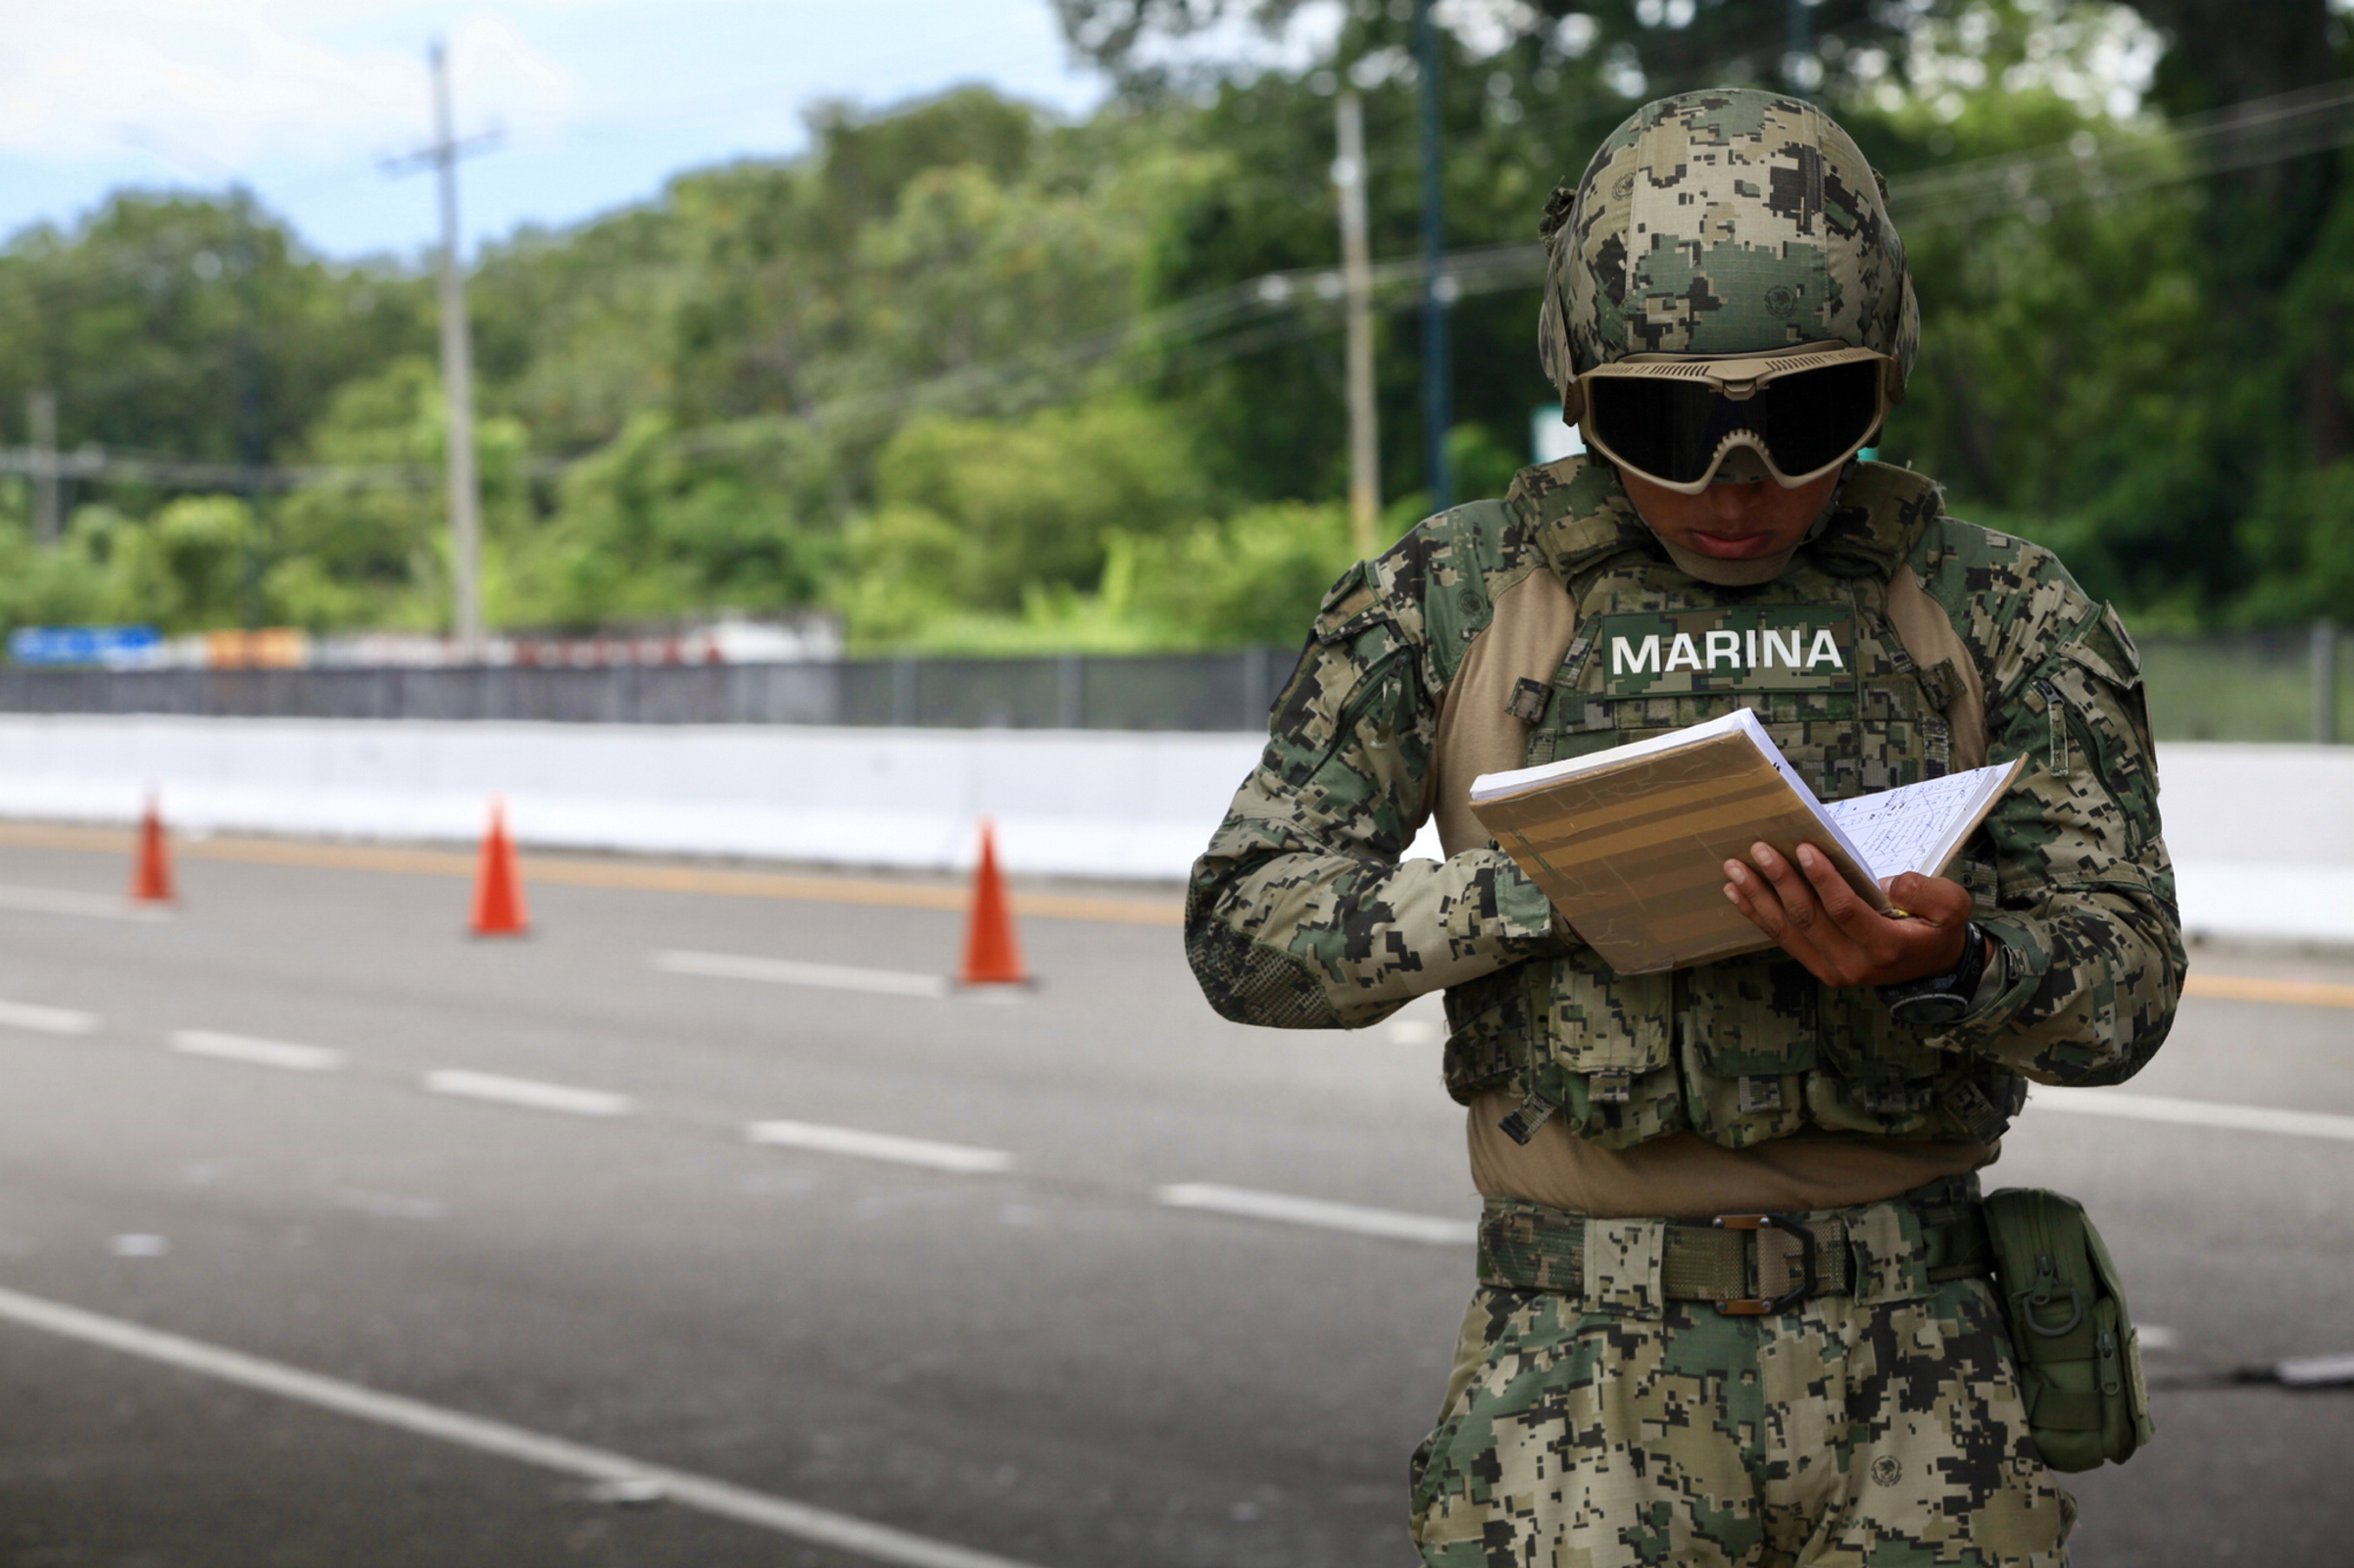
x=139, y=315
x=369, y=547
x=189, y=567
x=1031, y=501
x=653, y=527
x=1253, y=578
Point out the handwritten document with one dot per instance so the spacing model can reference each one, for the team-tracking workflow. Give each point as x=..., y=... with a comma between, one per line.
x=1916, y=827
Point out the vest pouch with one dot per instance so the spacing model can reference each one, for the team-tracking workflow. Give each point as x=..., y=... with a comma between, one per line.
x=1885, y=1078
x=2079, y=1360
x=1601, y=1055
x=1487, y=1028
x=1748, y=1028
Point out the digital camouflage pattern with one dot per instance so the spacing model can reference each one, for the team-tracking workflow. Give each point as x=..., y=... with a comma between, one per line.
x=1600, y=1425
x=1596, y=1418
x=1726, y=221
x=1301, y=913
x=1753, y=1048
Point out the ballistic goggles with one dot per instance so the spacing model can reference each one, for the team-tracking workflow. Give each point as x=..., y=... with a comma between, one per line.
x=1685, y=423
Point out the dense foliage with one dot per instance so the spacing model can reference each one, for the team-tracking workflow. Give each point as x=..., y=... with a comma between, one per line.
x=980, y=379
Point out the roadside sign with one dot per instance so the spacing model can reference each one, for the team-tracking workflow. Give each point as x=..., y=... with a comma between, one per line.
x=81, y=644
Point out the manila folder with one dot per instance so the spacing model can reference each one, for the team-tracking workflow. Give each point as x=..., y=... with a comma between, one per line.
x=1631, y=851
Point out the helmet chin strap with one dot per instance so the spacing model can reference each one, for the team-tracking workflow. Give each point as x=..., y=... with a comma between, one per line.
x=1742, y=464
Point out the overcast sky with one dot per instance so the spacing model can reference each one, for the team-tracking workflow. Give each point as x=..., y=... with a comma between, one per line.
x=599, y=100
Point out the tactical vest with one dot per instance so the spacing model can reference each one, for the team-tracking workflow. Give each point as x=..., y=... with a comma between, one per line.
x=1754, y=1048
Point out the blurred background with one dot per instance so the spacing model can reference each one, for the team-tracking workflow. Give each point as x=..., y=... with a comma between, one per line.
x=1019, y=328
x=758, y=443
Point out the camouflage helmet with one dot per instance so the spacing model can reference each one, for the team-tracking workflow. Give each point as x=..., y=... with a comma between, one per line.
x=1724, y=221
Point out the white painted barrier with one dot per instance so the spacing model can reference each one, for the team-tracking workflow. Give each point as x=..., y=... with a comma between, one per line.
x=2263, y=836
x=1078, y=803
x=2263, y=839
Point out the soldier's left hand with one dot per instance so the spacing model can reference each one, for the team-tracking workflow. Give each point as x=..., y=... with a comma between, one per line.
x=1816, y=917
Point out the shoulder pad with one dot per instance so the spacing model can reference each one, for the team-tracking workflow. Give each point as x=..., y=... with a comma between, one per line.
x=1458, y=591
x=1881, y=514
x=2102, y=646
x=1435, y=588
x=1350, y=604
x=1576, y=512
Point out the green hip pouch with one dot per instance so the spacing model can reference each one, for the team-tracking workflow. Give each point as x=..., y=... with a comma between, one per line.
x=2079, y=1360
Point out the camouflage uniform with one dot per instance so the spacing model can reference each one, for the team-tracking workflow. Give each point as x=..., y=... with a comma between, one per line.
x=1592, y=1419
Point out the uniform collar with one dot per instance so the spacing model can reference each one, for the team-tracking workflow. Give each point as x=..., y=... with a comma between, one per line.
x=1580, y=516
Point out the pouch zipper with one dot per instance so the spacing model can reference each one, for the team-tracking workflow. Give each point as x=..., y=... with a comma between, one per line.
x=2056, y=762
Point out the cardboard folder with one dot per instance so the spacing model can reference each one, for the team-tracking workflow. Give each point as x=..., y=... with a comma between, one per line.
x=1631, y=844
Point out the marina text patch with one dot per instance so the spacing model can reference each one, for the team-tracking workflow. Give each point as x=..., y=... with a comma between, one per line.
x=1760, y=648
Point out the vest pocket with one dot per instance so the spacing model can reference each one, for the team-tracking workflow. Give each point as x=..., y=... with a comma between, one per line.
x=1886, y=1077
x=1748, y=1029
x=1603, y=1050
x=1488, y=1026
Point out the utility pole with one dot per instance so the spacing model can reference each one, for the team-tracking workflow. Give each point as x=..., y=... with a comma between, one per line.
x=1437, y=289
x=1357, y=275
x=456, y=367
x=1799, y=47
x=2324, y=683
x=40, y=421
x=243, y=258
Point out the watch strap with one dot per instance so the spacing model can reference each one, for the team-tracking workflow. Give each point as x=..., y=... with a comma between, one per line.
x=1960, y=981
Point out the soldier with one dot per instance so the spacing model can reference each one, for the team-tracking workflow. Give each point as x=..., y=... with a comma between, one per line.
x=1732, y=1301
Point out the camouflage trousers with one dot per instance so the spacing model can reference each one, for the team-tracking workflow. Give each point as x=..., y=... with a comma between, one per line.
x=1879, y=1432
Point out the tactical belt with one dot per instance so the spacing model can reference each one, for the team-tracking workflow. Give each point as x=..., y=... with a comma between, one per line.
x=1746, y=1264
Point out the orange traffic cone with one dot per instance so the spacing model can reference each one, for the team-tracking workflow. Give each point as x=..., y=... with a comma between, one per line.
x=991, y=957
x=498, y=886
x=151, y=866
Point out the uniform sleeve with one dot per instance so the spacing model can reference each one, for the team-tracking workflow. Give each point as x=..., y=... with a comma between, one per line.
x=1301, y=913
x=2085, y=892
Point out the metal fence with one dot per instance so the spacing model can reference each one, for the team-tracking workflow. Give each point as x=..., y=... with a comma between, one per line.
x=2285, y=685
x=2292, y=685
x=1227, y=691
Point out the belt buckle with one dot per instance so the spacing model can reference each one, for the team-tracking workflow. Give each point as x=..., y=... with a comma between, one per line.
x=1761, y=1305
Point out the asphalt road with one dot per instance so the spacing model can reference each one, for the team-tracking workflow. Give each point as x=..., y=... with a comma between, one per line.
x=1048, y=1361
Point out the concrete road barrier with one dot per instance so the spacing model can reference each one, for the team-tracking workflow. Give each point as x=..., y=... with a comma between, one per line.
x=2263, y=836
x=1077, y=803
x=2263, y=839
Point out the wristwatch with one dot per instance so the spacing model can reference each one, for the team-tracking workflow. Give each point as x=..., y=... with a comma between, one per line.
x=1941, y=998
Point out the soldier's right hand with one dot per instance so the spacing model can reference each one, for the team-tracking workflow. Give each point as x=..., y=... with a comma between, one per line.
x=1816, y=917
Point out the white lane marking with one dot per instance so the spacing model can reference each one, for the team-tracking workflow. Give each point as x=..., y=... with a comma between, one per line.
x=793, y=972
x=60, y=901
x=47, y=1020
x=2315, y=1371
x=2191, y=1113
x=878, y=1146
x=392, y=1205
x=138, y=1244
x=1290, y=1210
x=258, y=1053
x=528, y=1093
x=818, y=1526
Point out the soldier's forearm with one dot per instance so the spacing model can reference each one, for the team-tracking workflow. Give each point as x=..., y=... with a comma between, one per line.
x=2091, y=986
x=1314, y=940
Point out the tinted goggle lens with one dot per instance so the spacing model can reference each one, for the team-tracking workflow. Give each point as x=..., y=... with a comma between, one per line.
x=1671, y=429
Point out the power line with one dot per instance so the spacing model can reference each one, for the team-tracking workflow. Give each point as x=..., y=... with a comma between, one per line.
x=1287, y=306
x=93, y=462
x=2088, y=168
